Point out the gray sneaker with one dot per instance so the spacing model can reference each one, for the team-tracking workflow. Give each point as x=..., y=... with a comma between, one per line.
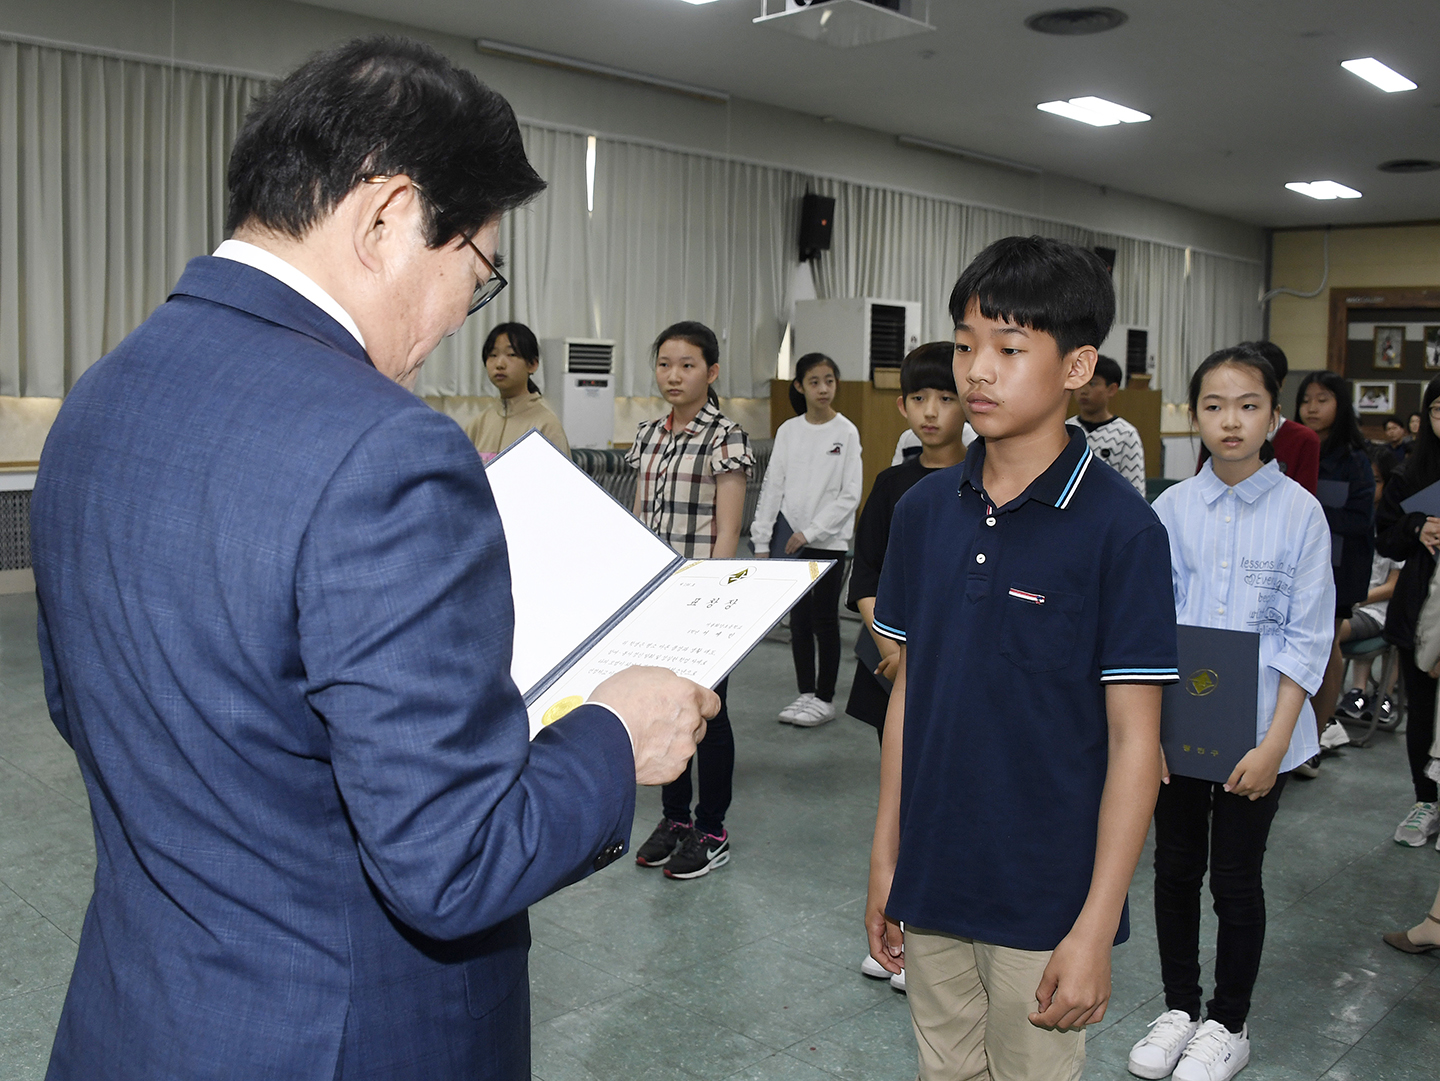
x=1422, y=823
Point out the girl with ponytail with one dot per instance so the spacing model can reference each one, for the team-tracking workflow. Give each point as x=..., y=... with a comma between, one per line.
x=512, y=356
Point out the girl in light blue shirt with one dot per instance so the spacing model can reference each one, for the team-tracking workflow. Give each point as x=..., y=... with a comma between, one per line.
x=1250, y=551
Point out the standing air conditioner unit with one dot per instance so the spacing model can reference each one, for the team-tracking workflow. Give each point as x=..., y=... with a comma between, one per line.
x=1133, y=346
x=861, y=334
x=578, y=379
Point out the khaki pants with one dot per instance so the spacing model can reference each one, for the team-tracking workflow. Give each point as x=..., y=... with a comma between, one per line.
x=970, y=1004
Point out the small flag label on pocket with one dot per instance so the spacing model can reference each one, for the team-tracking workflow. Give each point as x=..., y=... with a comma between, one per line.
x=1021, y=595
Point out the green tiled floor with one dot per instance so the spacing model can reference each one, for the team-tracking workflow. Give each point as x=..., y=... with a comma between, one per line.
x=750, y=973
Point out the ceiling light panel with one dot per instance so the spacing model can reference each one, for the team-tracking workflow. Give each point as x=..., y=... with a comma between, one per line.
x=1094, y=111
x=1323, y=189
x=1377, y=74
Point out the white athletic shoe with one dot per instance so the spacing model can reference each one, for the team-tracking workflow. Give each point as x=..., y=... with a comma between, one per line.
x=874, y=969
x=898, y=981
x=1156, y=1055
x=1334, y=736
x=1215, y=1054
x=790, y=712
x=814, y=712
x=1422, y=823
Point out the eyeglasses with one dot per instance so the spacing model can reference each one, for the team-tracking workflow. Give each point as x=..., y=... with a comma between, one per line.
x=486, y=290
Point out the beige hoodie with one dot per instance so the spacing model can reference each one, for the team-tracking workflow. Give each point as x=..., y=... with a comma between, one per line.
x=496, y=428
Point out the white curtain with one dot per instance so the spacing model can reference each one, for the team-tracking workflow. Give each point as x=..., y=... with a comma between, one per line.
x=112, y=176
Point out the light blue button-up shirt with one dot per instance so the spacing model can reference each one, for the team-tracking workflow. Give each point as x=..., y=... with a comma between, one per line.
x=1256, y=557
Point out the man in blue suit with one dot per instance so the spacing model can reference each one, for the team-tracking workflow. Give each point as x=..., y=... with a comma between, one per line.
x=275, y=622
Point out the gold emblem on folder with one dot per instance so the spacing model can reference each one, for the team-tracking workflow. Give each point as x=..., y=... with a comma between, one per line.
x=560, y=708
x=1201, y=682
x=737, y=576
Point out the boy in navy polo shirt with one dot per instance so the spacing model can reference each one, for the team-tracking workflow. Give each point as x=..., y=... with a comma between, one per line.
x=1030, y=592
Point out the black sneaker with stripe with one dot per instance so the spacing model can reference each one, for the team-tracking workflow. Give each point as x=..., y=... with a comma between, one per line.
x=662, y=844
x=699, y=854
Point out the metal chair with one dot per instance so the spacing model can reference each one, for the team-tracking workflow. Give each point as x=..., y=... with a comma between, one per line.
x=1364, y=650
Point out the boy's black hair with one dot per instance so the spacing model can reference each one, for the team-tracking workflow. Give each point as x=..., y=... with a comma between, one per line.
x=1394, y=419
x=929, y=367
x=1046, y=285
x=379, y=106
x=1108, y=369
x=1279, y=362
x=1383, y=459
x=522, y=340
x=802, y=366
x=698, y=335
x=1244, y=356
x=1345, y=431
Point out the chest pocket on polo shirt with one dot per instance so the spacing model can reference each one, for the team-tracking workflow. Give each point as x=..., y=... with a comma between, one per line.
x=1039, y=629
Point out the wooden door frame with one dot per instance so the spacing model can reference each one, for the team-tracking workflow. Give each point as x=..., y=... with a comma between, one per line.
x=1369, y=296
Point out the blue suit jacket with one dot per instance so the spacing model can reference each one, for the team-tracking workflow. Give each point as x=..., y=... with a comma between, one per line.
x=275, y=621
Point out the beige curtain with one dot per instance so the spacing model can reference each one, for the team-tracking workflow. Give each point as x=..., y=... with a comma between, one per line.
x=112, y=175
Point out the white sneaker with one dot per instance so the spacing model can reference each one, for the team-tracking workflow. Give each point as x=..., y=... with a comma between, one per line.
x=1419, y=825
x=1156, y=1055
x=790, y=712
x=1334, y=736
x=815, y=712
x=874, y=969
x=1215, y=1054
x=898, y=981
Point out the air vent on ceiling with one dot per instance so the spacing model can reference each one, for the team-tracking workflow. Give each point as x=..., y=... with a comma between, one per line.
x=1070, y=22
x=1408, y=165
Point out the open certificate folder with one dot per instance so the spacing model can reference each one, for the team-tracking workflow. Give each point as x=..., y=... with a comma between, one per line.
x=595, y=591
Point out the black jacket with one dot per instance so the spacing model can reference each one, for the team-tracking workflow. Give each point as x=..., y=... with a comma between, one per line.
x=1397, y=536
x=1352, y=527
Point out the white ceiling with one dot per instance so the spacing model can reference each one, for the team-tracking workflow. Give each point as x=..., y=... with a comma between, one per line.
x=1245, y=95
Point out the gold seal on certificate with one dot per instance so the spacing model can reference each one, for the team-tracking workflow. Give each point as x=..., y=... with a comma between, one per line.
x=560, y=708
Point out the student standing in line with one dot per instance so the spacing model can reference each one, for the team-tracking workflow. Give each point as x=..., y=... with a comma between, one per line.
x=1368, y=619
x=1293, y=445
x=1324, y=406
x=1113, y=438
x=1414, y=538
x=929, y=402
x=1021, y=757
x=693, y=463
x=813, y=480
x=1250, y=553
x=511, y=357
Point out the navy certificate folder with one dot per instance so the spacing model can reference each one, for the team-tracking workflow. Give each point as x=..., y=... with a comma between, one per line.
x=1207, y=720
x=1425, y=501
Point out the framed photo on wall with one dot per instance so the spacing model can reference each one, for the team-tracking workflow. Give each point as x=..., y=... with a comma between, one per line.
x=1374, y=397
x=1389, y=346
x=1432, y=348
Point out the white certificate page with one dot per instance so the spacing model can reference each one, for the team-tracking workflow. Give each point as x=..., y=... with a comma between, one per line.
x=700, y=623
x=577, y=556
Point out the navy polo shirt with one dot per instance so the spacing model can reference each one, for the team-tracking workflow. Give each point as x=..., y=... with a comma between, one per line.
x=1014, y=619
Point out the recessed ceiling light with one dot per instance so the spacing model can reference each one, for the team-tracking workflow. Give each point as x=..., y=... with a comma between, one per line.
x=699, y=1
x=1070, y=22
x=1409, y=165
x=1376, y=73
x=1094, y=111
x=1323, y=189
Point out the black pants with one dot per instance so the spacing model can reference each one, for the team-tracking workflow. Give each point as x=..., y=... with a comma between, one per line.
x=1198, y=822
x=815, y=621
x=1419, y=724
x=717, y=771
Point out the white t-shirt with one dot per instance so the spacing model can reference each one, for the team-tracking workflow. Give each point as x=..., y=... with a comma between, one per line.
x=1380, y=570
x=909, y=439
x=814, y=479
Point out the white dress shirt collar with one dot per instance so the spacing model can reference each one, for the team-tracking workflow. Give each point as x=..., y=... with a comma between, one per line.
x=242, y=252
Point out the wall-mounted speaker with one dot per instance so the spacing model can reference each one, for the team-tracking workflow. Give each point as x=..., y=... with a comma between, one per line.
x=817, y=219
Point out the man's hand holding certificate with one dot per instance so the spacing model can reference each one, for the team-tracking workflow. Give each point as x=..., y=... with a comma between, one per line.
x=596, y=593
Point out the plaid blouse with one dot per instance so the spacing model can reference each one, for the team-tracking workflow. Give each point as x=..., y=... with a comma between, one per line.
x=677, y=476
